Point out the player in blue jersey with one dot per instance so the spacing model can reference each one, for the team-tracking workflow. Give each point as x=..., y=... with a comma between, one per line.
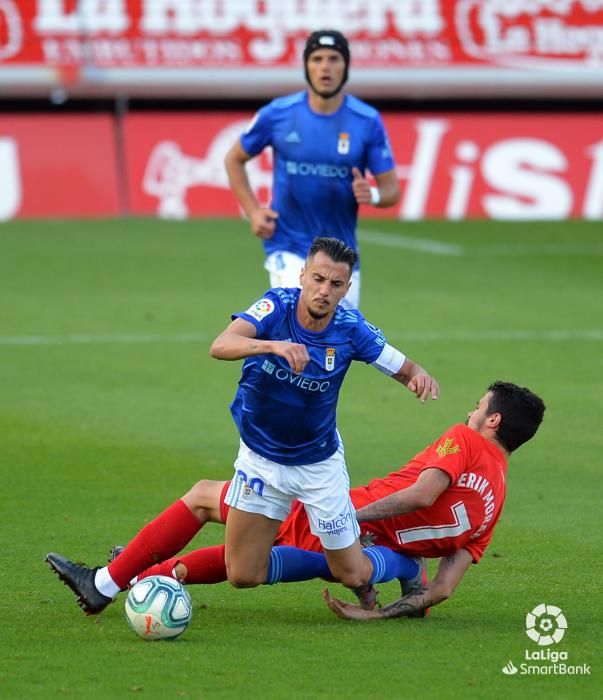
x=323, y=141
x=298, y=345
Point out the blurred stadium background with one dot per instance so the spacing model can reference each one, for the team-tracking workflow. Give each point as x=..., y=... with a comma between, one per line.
x=125, y=107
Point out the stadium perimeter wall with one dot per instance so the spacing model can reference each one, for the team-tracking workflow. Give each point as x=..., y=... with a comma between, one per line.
x=452, y=165
x=497, y=163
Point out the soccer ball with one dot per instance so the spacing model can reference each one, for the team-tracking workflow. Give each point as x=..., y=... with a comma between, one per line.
x=158, y=607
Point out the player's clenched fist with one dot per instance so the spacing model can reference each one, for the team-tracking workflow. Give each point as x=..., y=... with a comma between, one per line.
x=295, y=354
x=263, y=222
x=361, y=187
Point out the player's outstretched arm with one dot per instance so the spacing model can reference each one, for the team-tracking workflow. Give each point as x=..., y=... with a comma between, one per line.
x=262, y=219
x=417, y=380
x=450, y=573
x=238, y=341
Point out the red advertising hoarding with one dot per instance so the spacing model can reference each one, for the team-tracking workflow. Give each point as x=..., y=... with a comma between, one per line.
x=452, y=166
x=241, y=47
x=57, y=166
x=495, y=166
x=175, y=164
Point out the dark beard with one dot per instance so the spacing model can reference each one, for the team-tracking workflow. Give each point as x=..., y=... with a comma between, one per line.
x=316, y=315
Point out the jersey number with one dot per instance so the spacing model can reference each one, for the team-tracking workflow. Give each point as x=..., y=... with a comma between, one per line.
x=460, y=523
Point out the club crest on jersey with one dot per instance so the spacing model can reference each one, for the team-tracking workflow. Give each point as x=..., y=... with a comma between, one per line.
x=330, y=359
x=343, y=144
x=447, y=448
x=260, y=309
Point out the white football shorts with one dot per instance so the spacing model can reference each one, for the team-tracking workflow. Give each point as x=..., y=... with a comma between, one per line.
x=284, y=270
x=268, y=488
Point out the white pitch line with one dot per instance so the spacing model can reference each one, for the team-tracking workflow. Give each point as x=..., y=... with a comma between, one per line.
x=397, y=240
x=510, y=335
x=504, y=250
x=109, y=338
x=546, y=250
x=420, y=336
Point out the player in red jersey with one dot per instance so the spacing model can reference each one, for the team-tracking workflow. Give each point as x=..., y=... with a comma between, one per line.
x=444, y=503
x=463, y=516
x=472, y=461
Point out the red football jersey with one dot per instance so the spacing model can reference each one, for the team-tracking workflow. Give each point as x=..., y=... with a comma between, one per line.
x=463, y=516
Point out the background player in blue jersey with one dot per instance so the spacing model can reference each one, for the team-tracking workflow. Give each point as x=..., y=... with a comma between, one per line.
x=298, y=345
x=323, y=140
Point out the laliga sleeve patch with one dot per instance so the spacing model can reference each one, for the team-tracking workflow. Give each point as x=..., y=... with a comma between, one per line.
x=260, y=309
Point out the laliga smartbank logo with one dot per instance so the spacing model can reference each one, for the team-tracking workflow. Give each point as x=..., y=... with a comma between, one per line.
x=545, y=625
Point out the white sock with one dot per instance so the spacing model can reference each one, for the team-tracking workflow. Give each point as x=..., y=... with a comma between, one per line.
x=105, y=584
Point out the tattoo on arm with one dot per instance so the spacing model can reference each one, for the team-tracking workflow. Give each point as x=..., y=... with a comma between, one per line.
x=406, y=500
x=450, y=572
x=449, y=560
x=385, y=508
x=412, y=603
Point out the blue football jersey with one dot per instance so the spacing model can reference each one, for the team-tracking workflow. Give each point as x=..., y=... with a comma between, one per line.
x=290, y=418
x=313, y=159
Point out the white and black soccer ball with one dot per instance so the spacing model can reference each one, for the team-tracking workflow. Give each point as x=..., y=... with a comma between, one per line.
x=158, y=607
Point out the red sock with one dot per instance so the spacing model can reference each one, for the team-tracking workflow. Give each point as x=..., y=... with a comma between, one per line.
x=166, y=568
x=160, y=539
x=204, y=565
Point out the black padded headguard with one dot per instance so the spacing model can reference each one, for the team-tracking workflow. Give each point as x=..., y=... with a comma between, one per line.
x=328, y=39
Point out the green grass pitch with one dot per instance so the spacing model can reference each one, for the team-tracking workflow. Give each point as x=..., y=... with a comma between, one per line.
x=110, y=408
